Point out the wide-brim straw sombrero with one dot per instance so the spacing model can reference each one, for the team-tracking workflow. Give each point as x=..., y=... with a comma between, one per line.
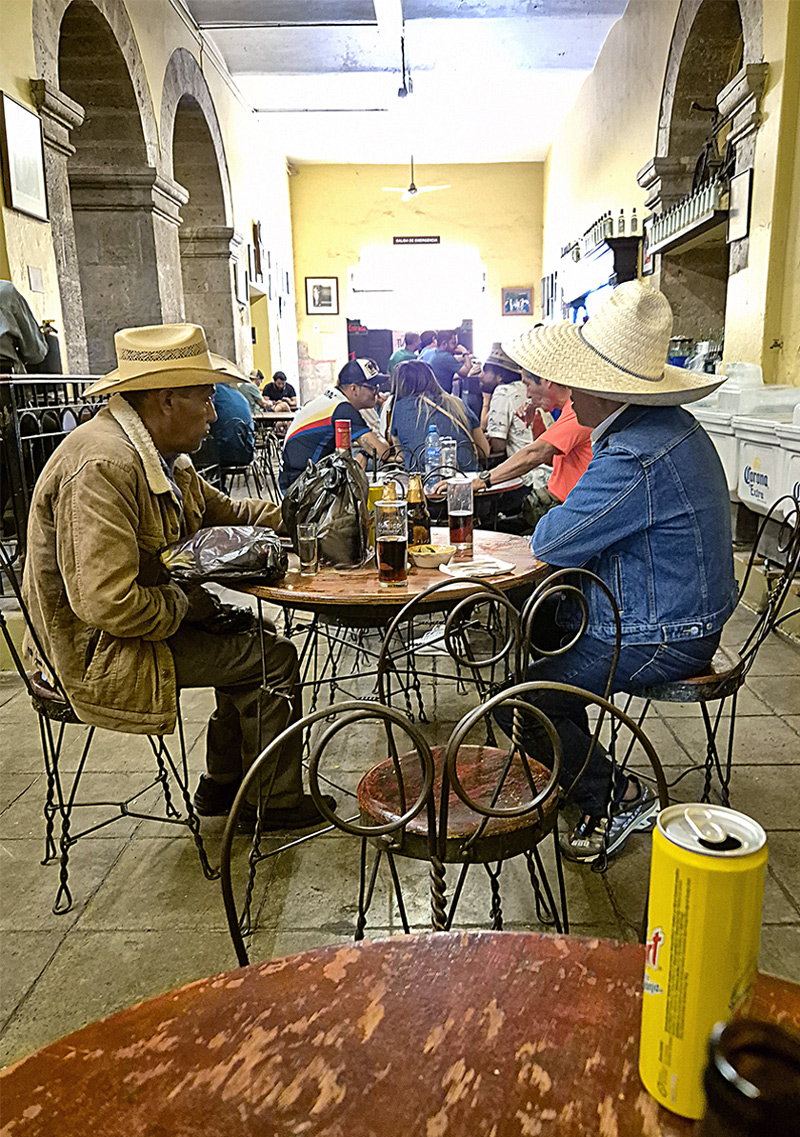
x=500, y=359
x=620, y=353
x=164, y=355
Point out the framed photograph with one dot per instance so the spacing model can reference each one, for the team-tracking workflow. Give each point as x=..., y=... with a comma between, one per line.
x=648, y=260
x=739, y=208
x=23, y=159
x=322, y=295
x=517, y=301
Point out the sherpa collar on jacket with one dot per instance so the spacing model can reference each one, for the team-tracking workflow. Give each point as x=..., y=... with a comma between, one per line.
x=142, y=442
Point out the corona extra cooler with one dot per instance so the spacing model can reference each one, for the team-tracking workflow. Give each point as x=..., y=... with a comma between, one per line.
x=704, y=922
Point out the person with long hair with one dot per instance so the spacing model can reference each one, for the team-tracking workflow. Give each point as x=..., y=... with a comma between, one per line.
x=418, y=403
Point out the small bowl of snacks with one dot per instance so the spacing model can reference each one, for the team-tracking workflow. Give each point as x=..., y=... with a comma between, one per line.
x=431, y=556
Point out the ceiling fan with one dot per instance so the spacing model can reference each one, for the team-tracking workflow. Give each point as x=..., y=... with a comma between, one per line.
x=411, y=190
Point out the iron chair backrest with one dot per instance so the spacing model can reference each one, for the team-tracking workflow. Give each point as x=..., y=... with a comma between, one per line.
x=344, y=715
x=478, y=590
x=788, y=551
x=7, y=567
x=37, y=412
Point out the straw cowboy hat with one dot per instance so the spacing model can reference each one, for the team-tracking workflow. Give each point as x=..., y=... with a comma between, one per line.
x=619, y=353
x=164, y=355
x=499, y=358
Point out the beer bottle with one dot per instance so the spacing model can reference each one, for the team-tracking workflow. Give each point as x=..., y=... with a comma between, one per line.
x=389, y=492
x=419, y=518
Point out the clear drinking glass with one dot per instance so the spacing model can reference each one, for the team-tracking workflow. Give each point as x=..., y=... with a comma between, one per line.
x=391, y=543
x=449, y=456
x=307, y=548
x=459, y=511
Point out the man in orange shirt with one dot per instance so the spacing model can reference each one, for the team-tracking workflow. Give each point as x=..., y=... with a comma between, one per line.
x=566, y=446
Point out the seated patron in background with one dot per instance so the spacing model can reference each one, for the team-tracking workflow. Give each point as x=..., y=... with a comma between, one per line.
x=403, y=353
x=566, y=446
x=123, y=637
x=255, y=400
x=427, y=346
x=651, y=518
x=444, y=363
x=504, y=395
x=280, y=393
x=233, y=431
x=22, y=344
x=418, y=402
x=311, y=434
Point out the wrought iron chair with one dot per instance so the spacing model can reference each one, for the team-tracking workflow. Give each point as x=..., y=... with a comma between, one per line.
x=50, y=701
x=413, y=775
x=725, y=677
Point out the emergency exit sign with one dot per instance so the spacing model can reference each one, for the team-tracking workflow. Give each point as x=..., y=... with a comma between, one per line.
x=416, y=240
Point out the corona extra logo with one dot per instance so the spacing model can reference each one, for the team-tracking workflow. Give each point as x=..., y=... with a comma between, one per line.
x=752, y=477
x=653, y=949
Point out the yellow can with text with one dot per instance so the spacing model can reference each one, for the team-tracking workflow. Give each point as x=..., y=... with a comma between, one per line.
x=704, y=922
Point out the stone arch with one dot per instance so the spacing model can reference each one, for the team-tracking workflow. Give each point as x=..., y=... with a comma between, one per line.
x=183, y=77
x=111, y=211
x=48, y=16
x=193, y=154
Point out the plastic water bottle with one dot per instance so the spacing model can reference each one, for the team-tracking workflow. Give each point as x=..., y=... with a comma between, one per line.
x=433, y=450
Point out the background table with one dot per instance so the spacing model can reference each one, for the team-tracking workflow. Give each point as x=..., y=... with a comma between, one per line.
x=439, y=1035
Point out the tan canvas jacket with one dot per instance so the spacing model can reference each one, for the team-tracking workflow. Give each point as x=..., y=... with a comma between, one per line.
x=99, y=598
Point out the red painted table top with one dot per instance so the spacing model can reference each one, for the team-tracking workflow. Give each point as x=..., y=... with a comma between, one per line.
x=482, y=1034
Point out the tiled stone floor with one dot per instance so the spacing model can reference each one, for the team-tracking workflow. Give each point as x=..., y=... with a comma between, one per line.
x=145, y=919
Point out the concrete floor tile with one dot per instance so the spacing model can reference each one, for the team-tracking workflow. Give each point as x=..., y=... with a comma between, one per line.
x=14, y=786
x=21, y=751
x=95, y=973
x=158, y=883
x=780, y=951
x=25, y=818
x=11, y=687
x=776, y=657
x=770, y=794
x=781, y=692
x=784, y=863
x=272, y=944
x=757, y=740
x=793, y=721
x=29, y=888
x=25, y=955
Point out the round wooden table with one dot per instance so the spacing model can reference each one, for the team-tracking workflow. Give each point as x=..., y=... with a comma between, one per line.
x=353, y=596
x=437, y=1035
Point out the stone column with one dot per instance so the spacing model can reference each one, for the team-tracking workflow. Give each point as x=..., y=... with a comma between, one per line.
x=207, y=256
x=168, y=197
x=113, y=212
x=60, y=116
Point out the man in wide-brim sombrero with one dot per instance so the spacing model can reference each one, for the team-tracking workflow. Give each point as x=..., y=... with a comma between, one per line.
x=123, y=637
x=651, y=518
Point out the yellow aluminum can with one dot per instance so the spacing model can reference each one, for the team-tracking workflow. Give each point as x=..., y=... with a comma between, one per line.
x=704, y=923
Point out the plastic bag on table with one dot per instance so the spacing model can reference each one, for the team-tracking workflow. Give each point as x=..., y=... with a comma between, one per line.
x=334, y=495
x=227, y=552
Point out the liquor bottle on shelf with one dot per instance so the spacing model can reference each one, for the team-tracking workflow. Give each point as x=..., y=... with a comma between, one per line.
x=634, y=222
x=419, y=518
x=608, y=225
x=621, y=224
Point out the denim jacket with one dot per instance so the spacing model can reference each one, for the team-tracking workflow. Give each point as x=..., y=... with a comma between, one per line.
x=651, y=518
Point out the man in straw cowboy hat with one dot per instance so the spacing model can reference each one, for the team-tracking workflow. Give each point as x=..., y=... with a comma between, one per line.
x=651, y=518
x=123, y=637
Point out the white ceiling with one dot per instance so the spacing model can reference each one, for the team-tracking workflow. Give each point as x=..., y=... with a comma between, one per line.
x=492, y=79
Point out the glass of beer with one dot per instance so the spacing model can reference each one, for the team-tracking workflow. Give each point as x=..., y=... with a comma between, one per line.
x=459, y=511
x=307, y=548
x=391, y=543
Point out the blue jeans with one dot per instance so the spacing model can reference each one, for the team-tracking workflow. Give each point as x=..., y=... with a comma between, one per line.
x=587, y=665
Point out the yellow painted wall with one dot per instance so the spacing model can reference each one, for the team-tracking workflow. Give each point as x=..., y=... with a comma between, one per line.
x=257, y=171
x=337, y=211
x=259, y=318
x=611, y=133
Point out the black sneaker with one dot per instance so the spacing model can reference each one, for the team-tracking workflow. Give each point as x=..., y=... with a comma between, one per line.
x=303, y=816
x=592, y=834
x=213, y=799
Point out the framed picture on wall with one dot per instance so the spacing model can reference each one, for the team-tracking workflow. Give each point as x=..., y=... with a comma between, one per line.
x=517, y=301
x=739, y=208
x=322, y=295
x=23, y=158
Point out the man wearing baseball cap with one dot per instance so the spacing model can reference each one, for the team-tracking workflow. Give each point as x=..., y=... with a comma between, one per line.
x=123, y=637
x=312, y=432
x=650, y=517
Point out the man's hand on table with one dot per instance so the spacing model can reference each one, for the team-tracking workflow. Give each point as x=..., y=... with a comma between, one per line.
x=478, y=486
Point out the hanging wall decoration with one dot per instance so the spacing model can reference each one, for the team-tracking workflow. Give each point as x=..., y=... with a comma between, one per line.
x=23, y=159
